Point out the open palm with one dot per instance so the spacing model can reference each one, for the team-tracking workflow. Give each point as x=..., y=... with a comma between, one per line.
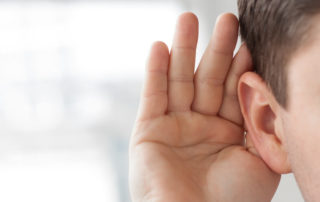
x=188, y=142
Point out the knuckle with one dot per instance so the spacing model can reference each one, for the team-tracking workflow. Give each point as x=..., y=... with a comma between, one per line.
x=181, y=79
x=211, y=81
x=231, y=95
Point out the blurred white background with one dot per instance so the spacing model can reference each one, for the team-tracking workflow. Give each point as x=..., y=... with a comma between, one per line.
x=70, y=80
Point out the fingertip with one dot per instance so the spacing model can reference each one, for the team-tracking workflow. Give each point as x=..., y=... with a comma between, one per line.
x=159, y=50
x=246, y=55
x=186, y=31
x=188, y=16
x=227, y=24
x=225, y=33
x=159, y=46
x=158, y=59
x=229, y=18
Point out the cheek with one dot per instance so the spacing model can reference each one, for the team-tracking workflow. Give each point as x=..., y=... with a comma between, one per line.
x=302, y=130
x=302, y=138
x=302, y=121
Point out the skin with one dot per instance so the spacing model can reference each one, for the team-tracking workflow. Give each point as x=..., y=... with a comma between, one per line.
x=301, y=120
x=287, y=138
x=187, y=143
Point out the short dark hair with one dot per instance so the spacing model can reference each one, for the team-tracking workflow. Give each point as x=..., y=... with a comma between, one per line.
x=273, y=30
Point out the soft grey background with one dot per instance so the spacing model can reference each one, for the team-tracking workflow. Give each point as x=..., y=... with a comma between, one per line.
x=70, y=79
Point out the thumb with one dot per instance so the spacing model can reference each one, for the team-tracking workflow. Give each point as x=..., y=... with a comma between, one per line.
x=250, y=146
x=249, y=143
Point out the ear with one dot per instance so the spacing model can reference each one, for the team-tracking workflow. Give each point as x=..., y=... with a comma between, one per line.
x=262, y=116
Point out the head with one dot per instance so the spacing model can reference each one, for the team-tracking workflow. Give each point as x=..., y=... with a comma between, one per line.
x=280, y=100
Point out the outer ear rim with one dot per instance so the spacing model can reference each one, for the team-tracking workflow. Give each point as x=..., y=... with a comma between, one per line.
x=279, y=165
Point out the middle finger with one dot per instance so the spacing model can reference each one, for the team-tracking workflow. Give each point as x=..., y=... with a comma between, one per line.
x=214, y=66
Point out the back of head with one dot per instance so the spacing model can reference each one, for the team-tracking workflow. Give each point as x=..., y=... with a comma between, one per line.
x=273, y=30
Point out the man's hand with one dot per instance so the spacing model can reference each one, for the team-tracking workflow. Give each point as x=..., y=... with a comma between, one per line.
x=188, y=142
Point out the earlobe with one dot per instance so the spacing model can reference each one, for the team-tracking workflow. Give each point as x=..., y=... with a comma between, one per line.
x=261, y=116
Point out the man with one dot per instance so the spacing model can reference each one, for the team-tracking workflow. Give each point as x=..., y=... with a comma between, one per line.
x=188, y=142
